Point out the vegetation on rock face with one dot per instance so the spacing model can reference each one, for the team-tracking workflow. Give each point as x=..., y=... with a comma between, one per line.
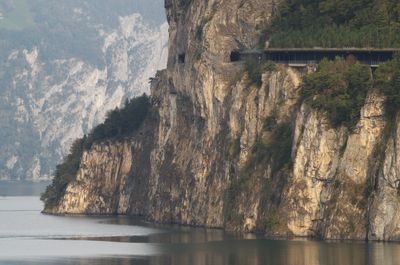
x=64, y=174
x=270, y=221
x=232, y=194
x=277, y=148
x=387, y=80
x=232, y=148
x=255, y=69
x=338, y=88
x=330, y=23
x=119, y=123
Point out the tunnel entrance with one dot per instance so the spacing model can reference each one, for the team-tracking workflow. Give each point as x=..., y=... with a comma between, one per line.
x=235, y=56
x=181, y=58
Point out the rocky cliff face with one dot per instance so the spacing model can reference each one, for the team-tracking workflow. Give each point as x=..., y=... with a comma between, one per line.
x=198, y=162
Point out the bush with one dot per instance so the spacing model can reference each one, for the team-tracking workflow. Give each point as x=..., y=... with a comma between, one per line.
x=277, y=149
x=387, y=80
x=338, y=88
x=269, y=66
x=269, y=123
x=233, y=147
x=254, y=71
x=231, y=194
x=270, y=221
x=64, y=174
x=121, y=122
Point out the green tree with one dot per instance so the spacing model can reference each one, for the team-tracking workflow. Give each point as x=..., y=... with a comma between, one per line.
x=336, y=23
x=387, y=79
x=338, y=88
x=382, y=13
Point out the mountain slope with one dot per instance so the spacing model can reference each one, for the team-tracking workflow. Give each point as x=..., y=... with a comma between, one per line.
x=64, y=68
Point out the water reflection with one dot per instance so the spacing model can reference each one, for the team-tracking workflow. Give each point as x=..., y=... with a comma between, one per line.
x=199, y=246
x=27, y=237
x=257, y=252
x=200, y=250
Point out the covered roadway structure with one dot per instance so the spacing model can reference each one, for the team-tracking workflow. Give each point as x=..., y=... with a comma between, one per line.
x=301, y=57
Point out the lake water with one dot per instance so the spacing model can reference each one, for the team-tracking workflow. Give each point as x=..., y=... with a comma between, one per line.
x=28, y=237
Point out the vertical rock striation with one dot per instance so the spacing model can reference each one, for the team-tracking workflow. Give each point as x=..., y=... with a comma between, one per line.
x=195, y=163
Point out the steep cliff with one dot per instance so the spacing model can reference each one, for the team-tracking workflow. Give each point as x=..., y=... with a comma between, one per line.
x=211, y=158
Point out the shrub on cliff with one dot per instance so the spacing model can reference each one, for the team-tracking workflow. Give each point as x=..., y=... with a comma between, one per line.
x=64, y=174
x=255, y=69
x=387, y=80
x=277, y=149
x=121, y=122
x=274, y=150
x=338, y=88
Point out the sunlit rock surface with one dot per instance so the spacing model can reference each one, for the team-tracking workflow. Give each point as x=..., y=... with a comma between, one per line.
x=184, y=171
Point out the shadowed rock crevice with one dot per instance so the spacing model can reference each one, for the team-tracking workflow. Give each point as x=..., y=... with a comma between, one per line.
x=224, y=151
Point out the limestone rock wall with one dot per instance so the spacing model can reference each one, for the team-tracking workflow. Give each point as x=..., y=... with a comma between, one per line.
x=191, y=164
x=101, y=182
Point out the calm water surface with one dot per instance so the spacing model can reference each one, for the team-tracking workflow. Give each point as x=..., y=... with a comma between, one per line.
x=28, y=237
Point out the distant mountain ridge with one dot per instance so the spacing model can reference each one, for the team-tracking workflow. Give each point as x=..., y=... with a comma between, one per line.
x=64, y=68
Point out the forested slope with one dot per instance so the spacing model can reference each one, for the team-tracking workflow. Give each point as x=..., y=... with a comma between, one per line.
x=331, y=23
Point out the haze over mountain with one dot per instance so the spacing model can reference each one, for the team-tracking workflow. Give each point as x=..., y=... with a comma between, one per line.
x=64, y=64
